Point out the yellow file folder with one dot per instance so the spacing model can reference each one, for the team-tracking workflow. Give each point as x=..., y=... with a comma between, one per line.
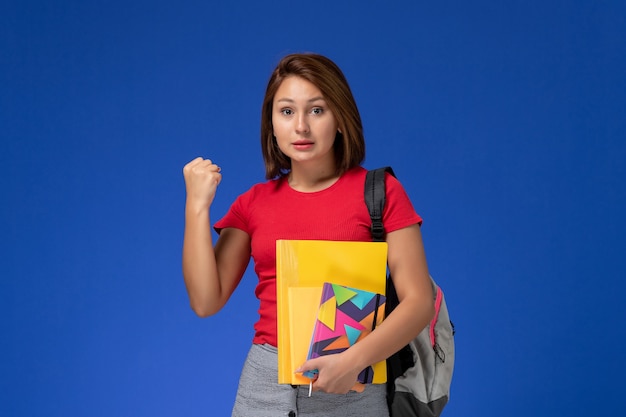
x=302, y=267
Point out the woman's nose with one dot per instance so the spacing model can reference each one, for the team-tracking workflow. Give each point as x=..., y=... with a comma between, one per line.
x=302, y=124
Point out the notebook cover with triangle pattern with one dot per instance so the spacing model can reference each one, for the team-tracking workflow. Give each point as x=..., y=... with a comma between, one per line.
x=346, y=315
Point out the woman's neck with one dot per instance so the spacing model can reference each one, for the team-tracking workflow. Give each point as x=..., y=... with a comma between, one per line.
x=311, y=179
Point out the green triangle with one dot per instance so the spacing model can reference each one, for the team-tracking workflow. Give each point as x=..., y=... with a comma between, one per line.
x=342, y=294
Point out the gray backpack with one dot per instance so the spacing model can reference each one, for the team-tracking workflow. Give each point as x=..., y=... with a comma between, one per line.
x=420, y=374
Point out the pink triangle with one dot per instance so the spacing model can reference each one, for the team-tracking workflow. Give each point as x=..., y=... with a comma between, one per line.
x=342, y=319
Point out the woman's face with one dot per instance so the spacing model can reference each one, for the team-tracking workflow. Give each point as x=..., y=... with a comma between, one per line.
x=304, y=126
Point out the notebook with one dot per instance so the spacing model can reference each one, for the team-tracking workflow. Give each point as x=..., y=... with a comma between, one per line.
x=345, y=316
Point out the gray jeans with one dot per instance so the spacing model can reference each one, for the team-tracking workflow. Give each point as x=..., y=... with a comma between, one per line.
x=260, y=395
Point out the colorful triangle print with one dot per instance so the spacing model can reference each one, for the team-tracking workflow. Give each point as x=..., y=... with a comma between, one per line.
x=368, y=321
x=343, y=294
x=339, y=345
x=352, y=333
x=361, y=298
x=340, y=324
x=323, y=332
x=328, y=313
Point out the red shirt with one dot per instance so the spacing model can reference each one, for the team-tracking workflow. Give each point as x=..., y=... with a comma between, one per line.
x=273, y=210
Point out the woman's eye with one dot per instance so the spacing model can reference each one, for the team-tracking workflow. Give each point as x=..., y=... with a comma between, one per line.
x=287, y=112
x=317, y=110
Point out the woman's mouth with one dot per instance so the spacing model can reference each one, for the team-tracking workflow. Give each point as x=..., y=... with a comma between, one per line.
x=302, y=145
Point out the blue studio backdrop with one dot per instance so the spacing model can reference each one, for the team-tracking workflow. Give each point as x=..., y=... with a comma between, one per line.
x=505, y=121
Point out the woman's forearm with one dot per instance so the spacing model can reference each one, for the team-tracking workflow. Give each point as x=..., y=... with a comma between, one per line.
x=199, y=263
x=407, y=320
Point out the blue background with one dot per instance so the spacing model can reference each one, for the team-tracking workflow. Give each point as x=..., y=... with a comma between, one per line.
x=505, y=121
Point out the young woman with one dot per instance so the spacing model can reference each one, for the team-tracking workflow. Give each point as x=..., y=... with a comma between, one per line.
x=312, y=143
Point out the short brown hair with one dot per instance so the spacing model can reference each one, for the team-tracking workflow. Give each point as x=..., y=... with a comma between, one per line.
x=349, y=147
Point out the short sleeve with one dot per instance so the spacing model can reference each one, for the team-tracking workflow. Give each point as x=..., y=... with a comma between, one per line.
x=398, y=212
x=236, y=216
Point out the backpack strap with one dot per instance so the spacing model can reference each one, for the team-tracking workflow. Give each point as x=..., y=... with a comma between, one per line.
x=375, y=198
